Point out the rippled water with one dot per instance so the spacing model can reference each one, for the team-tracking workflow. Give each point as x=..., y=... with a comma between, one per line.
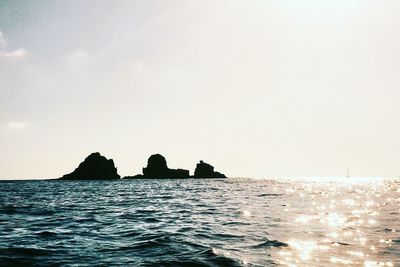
x=228, y=222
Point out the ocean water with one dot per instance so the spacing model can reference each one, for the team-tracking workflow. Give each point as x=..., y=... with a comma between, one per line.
x=225, y=222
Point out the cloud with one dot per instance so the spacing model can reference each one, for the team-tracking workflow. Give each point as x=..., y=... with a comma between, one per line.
x=5, y=53
x=14, y=54
x=17, y=125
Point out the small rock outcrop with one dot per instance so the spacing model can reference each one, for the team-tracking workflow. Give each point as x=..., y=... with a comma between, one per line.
x=94, y=167
x=137, y=176
x=157, y=168
x=205, y=170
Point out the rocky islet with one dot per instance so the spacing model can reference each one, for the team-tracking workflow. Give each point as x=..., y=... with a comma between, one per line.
x=98, y=167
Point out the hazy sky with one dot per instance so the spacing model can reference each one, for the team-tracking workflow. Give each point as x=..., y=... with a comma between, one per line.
x=256, y=88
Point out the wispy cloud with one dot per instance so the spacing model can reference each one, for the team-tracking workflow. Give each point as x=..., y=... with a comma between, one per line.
x=17, y=125
x=14, y=54
x=5, y=53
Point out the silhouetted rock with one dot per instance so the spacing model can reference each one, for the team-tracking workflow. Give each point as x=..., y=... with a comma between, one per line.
x=157, y=168
x=205, y=170
x=179, y=173
x=137, y=176
x=94, y=167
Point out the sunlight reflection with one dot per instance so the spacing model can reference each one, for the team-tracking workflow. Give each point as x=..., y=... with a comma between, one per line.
x=340, y=261
x=305, y=248
x=378, y=264
x=335, y=219
x=356, y=253
x=246, y=213
x=303, y=219
x=344, y=219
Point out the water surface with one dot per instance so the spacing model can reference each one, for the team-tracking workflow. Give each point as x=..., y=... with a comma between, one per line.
x=226, y=222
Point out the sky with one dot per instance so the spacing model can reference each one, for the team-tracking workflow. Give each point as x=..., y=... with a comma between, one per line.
x=257, y=88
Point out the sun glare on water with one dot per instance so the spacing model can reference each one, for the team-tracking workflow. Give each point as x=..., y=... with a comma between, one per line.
x=339, y=222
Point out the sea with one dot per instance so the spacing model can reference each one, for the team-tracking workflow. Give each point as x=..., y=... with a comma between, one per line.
x=201, y=222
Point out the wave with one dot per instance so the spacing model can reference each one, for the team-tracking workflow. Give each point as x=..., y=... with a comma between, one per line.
x=270, y=195
x=46, y=234
x=24, y=251
x=270, y=243
x=206, y=257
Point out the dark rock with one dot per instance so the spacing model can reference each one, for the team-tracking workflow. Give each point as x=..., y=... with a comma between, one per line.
x=205, y=170
x=157, y=168
x=137, y=176
x=94, y=167
x=179, y=173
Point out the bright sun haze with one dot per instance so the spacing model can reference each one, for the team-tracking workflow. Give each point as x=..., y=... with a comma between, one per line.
x=258, y=88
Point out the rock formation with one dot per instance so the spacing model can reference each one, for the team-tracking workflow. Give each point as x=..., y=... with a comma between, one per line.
x=205, y=170
x=157, y=168
x=137, y=176
x=94, y=167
